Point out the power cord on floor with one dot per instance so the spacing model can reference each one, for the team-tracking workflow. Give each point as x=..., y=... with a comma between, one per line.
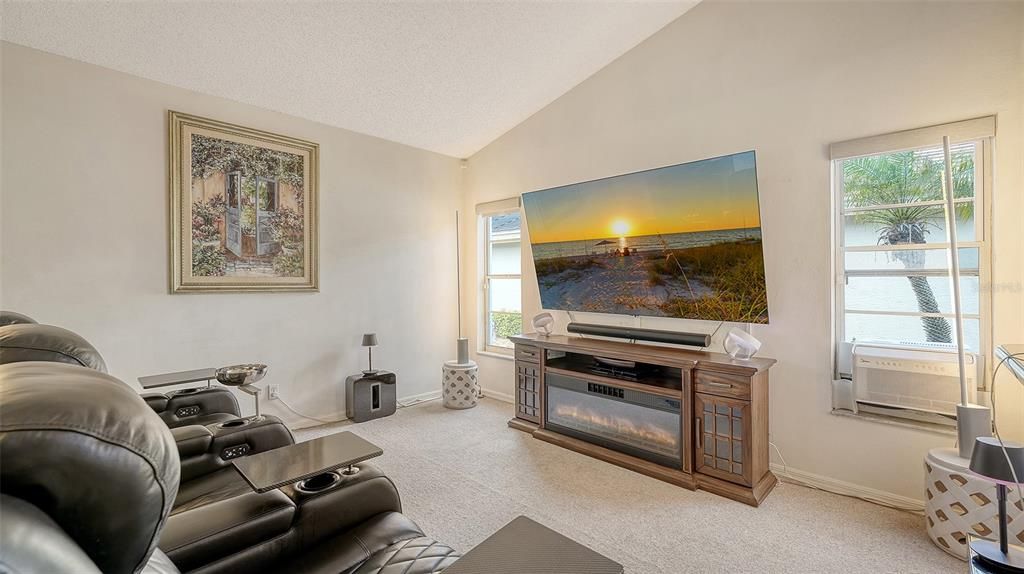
x=785, y=467
x=325, y=421
x=866, y=498
x=416, y=402
x=328, y=422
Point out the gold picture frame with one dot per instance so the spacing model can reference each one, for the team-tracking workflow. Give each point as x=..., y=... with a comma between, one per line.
x=243, y=208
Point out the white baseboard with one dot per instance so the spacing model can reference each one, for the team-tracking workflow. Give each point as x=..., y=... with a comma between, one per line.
x=498, y=396
x=302, y=422
x=846, y=488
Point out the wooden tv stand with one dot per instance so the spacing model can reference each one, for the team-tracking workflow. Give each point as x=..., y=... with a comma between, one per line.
x=722, y=402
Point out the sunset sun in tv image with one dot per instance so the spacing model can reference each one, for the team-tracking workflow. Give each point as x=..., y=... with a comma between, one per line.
x=620, y=227
x=679, y=241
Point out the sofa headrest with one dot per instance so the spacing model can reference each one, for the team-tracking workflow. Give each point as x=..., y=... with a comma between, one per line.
x=85, y=449
x=34, y=342
x=14, y=318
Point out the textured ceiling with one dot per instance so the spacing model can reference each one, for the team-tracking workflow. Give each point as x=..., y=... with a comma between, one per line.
x=443, y=76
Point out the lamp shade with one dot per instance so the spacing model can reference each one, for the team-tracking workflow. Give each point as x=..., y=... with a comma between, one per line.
x=989, y=460
x=370, y=340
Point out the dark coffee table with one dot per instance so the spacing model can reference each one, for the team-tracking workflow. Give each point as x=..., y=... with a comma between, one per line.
x=526, y=547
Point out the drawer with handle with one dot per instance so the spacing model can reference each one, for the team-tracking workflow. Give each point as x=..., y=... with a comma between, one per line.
x=527, y=353
x=722, y=384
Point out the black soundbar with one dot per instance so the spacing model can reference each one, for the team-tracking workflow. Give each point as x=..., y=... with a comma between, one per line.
x=638, y=334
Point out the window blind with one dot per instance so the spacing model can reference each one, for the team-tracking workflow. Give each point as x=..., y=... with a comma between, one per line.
x=977, y=128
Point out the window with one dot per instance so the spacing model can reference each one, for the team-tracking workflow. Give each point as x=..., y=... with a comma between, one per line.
x=502, y=281
x=893, y=283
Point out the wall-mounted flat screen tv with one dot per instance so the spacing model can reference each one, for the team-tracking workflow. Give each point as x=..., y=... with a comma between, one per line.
x=679, y=241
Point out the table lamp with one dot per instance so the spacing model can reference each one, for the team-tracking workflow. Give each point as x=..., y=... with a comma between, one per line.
x=370, y=341
x=992, y=461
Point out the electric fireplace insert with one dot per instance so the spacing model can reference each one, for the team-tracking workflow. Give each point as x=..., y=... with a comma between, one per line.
x=641, y=424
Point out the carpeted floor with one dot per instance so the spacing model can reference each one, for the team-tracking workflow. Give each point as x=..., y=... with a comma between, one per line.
x=464, y=474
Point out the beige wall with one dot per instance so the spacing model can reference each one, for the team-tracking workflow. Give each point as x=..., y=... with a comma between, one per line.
x=787, y=80
x=85, y=240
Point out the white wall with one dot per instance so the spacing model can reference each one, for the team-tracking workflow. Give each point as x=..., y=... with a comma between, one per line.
x=787, y=80
x=85, y=240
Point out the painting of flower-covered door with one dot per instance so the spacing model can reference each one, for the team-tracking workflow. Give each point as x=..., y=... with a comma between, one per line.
x=243, y=208
x=233, y=213
x=266, y=207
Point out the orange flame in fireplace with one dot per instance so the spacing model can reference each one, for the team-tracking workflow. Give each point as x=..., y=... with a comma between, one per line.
x=643, y=433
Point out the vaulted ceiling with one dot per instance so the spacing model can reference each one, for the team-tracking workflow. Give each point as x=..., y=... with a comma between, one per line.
x=444, y=76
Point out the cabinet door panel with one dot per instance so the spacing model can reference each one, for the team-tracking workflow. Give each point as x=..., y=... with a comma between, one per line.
x=528, y=392
x=722, y=432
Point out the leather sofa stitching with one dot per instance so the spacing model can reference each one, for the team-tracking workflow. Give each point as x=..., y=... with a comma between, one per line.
x=80, y=429
x=22, y=348
x=366, y=551
x=413, y=561
x=425, y=544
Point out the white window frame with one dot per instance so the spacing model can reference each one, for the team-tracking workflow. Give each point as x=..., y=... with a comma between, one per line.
x=484, y=213
x=980, y=131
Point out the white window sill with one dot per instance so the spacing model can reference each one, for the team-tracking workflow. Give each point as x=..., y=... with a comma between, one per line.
x=508, y=357
x=897, y=422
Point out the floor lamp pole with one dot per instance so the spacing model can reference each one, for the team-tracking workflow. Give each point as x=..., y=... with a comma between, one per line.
x=462, y=343
x=972, y=420
x=458, y=270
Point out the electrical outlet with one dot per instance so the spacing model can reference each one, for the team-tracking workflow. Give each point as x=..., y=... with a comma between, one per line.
x=273, y=391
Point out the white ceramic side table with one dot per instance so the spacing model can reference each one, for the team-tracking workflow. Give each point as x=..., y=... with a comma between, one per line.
x=460, y=386
x=958, y=503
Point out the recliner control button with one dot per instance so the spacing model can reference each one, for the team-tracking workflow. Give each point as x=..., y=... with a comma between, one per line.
x=234, y=451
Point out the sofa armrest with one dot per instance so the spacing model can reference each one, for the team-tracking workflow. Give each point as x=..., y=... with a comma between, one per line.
x=192, y=440
x=229, y=442
x=348, y=503
x=156, y=401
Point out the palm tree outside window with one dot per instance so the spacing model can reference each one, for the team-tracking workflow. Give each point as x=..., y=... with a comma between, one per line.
x=892, y=273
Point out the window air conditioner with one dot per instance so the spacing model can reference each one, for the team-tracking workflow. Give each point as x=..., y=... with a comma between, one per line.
x=913, y=383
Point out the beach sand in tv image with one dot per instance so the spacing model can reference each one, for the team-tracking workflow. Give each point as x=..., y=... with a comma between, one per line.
x=679, y=241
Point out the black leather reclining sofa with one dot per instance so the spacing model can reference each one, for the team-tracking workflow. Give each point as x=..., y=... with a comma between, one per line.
x=92, y=477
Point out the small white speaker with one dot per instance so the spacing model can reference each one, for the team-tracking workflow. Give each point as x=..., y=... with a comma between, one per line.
x=740, y=344
x=542, y=323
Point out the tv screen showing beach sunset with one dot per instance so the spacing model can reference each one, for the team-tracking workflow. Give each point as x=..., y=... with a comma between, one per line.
x=679, y=241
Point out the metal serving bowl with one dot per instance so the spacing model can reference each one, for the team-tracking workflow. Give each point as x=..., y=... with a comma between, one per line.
x=240, y=375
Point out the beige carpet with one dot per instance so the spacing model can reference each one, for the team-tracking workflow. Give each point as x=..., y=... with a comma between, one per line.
x=464, y=474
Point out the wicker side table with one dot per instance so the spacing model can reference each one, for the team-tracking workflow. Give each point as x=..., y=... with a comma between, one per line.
x=958, y=503
x=459, y=385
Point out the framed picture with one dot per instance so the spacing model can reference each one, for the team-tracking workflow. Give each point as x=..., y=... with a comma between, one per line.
x=243, y=206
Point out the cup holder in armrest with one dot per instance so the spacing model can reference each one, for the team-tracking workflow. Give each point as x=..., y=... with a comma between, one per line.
x=187, y=391
x=233, y=424
x=318, y=483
